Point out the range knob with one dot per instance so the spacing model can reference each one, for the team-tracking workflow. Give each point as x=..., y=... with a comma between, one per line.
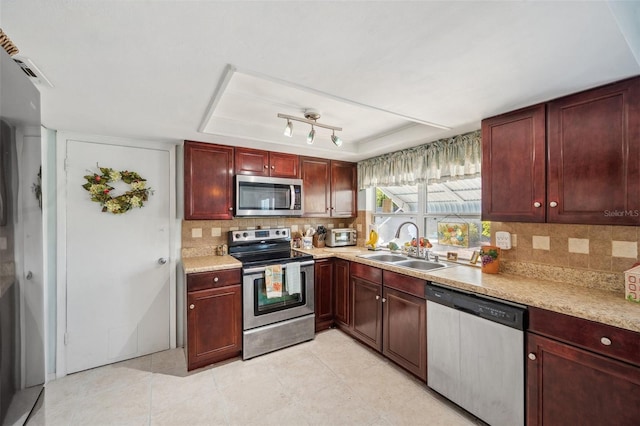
x=284, y=233
x=237, y=235
x=245, y=234
x=277, y=232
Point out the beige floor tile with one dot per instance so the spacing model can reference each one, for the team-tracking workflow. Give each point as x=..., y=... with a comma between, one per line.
x=331, y=380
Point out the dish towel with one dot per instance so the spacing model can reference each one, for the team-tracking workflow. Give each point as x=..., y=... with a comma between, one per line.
x=273, y=281
x=293, y=278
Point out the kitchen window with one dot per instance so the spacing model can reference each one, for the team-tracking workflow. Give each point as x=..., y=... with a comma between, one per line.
x=447, y=212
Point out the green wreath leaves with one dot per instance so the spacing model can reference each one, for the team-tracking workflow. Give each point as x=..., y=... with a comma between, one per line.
x=100, y=190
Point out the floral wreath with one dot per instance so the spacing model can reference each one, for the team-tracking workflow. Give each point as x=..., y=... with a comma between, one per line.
x=100, y=190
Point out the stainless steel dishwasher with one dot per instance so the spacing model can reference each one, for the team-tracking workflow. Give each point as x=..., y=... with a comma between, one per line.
x=475, y=354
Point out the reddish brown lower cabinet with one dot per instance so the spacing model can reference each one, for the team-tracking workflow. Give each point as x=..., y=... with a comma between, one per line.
x=580, y=372
x=570, y=386
x=367, y=312
x=405, y=331
x=342, y=292
x=214, y=317
x=324, y=286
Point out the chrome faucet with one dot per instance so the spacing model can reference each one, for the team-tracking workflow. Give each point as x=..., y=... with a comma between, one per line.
x=417, y=252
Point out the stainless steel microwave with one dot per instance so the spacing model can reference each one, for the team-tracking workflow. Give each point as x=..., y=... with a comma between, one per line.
x=267, y=196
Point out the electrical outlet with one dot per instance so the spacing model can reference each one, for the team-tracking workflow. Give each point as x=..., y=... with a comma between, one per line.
x=503, y=240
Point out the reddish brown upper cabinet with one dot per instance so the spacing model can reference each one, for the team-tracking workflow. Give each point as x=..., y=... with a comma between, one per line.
x=514, y=166
x=329, y=187
x=594, y=156
x=265, y=163
x=587, y=173
x=324, y=285
x=208, y=181
x=213, y=317
x=580, y=372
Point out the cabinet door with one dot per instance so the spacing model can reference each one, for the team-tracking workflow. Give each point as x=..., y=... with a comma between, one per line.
x=513, y=166
x=342, y=294
x=343, y=189
x=316, y=185
x=251, y=162
x=570, y=386
x=594, y=156
x=367, y=312
x=284, y=165
x=405, y=331
x=323, y=293
x=208, y=181
x=214, y=325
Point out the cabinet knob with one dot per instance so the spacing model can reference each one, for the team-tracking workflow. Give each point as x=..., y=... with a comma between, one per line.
x=273, y=167
x=162, y=261
x=384, y=300
x=191, y=306
x=532, y=356
x=377, y=297
x=537, y=204
x=215, y=279
x=230, y=208
x=605, y=341
x=553, y=204
x=266, y=167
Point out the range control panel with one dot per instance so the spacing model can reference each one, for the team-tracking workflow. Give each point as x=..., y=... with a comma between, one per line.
x=256, y=235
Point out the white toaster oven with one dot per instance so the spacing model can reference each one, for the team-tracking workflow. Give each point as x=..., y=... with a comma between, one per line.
x=341, y=237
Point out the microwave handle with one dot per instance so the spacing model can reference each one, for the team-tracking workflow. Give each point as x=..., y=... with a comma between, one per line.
x=293, y=197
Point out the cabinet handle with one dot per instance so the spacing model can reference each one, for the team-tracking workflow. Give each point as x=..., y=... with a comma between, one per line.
x=537, y=204
x=553, y=204
x=215, y=279
x=532, y=356
x=377, y=297
x=384, y=300
x=191, y=306
x=605, y=341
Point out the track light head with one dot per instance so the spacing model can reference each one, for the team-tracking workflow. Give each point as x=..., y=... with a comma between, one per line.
x=311, y=136
x=336, y=140
x=288, y=131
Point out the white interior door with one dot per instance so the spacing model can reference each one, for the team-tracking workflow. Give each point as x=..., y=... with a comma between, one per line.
x=117, y=289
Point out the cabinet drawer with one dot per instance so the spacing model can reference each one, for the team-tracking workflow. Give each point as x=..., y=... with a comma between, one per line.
x=215, y=279
x=411, y=285
x=600, y=338
x=367, y=272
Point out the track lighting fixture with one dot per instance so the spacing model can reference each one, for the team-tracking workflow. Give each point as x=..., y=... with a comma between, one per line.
x=311, y=117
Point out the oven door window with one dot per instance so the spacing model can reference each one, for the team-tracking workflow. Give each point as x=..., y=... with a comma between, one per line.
x=264, y=305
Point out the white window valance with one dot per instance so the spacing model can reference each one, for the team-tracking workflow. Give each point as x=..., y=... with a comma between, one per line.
x=459, y=156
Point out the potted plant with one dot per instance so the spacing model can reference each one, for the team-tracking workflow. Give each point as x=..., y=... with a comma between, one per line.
x=490, y=257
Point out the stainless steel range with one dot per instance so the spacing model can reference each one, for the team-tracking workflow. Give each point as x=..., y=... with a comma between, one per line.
x=277, y=290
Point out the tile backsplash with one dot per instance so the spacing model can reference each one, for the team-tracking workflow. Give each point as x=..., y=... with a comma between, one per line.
x=597, y=254
x=594, y=247
x=199, y=237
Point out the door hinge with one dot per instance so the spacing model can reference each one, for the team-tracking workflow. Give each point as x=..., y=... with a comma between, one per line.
x=66, y=163
x=66, y=338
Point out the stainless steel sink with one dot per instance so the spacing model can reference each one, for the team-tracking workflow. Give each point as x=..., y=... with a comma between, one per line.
x=384, y=257
x=423, y=265
x=404, y=261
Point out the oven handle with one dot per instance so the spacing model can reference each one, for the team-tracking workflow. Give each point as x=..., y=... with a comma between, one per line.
x=262, y=268
x=293, y=197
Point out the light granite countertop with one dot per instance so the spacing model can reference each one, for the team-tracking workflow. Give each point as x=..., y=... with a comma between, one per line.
x=602, y=306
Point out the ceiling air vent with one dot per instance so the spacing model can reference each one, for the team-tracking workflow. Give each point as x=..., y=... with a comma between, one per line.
x=32, y=71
